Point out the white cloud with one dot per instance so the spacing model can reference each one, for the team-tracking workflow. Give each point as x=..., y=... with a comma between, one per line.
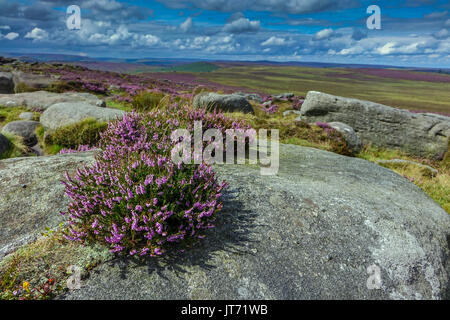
x=274, y=41
x=149, y=40
x=186, y=25
x=242, y=25
x=37, y=34
x=393, y=48
x=324, y=34
x=447, y=23
x=5, y=28
x=11, y=35
x=388, y=48
x=442, y=34
x=351, y=51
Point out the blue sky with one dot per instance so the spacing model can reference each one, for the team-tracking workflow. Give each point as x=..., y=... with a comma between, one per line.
x=413, y=32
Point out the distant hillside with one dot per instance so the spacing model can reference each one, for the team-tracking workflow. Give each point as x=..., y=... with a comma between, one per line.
x=195, y=67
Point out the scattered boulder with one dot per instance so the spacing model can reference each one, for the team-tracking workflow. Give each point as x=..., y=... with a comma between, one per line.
x=380, y=125
x=24, y=129
x=350, y=136
x=250, y=96
x=31, y=195
x=289, y=112
x=34, y=81
x=284, y=96
x=267, y=104
x=6, y=82
x=63, y=114
x=26, y=116
x=223, y=102
x=42, y=100
x=4, y=144
x=310, y=232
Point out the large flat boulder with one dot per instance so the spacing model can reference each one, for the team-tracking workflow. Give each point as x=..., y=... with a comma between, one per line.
x=32, y=195
x=417, y=134
x=222, y=102
x=311, y=232
x=42, y=100
x=24, y=129
x=6, y=82
x=63, y=114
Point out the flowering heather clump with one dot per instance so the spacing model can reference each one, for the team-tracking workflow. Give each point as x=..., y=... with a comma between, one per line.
x=273, y=108
x=134, y=199
x=323, y=125
x=297, y=103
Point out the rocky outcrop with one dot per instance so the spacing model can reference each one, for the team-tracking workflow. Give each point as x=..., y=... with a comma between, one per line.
x=42, y=100
x=31, y=195
x=223, y=102
x=63, y=114
x=320, y=229
x=6, y=82
x=416, y=134
x=350, y=136
x=4, y=144
x=24, y=129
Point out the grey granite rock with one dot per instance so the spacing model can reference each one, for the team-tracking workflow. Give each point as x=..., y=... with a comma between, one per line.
x=311, y=232
x=417, y=134
x=63, y=114
x=24, y=129
x=223, y=102
x=26, y=116
x=31, y=195
x=4, y=144
x=6, y=82
x=350, y=136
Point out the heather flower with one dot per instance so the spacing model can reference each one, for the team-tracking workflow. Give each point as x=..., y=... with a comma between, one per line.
x=134, y=199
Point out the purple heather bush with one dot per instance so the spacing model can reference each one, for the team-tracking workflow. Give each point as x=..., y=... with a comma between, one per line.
x=273, y=108
x=134, y=199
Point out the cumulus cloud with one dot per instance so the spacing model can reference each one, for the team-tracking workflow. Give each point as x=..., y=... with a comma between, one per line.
x=324, y=34
x=242, y=25
x=442, y=34
x=12, y=36
x=149, y=40
x=37, y=34
x=394, y=48
x=274, y=41
x=186, y=25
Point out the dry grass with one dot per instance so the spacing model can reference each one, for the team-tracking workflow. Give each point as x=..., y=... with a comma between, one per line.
x=44, y=265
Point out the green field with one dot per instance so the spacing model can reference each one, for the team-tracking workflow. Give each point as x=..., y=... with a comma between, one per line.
x=400, y=93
